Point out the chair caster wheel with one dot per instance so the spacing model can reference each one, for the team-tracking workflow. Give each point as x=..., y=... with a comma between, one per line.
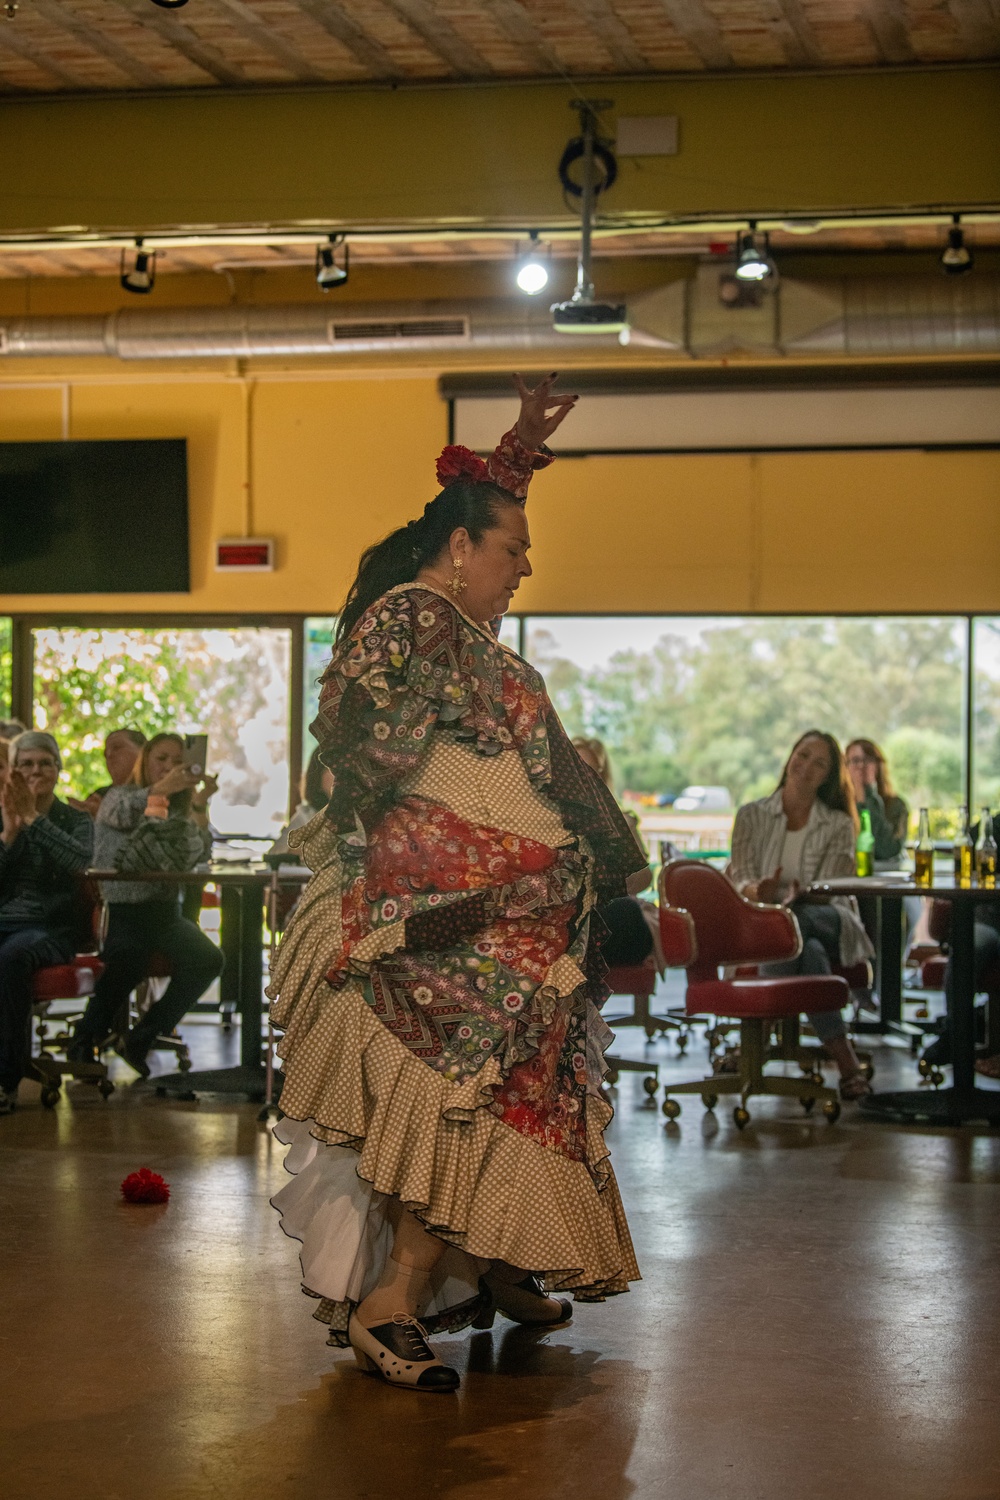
x=710, y=1100
x=924, y=1068
x=922, y=1013
x=612, y=1078
x=183, y=1065
x=741, y=1117
x=670, y=1108
x=936, y=1077
x=50, y=1097
x=832, y=1111
x=807, y=1105
x=682, y=1043
x=817, y=1078
x=105, y=1088
x=867, y=1069
x=650, y=1085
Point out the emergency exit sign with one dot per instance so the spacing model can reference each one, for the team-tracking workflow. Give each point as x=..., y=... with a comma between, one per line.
x=244, y=554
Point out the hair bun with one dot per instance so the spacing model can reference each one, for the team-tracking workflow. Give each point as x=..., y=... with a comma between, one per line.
x=457, y=462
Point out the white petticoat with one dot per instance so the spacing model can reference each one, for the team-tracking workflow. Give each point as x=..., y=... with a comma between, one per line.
x=344, y=1228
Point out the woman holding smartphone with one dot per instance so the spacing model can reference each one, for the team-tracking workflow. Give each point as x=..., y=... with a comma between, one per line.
x=158, y=821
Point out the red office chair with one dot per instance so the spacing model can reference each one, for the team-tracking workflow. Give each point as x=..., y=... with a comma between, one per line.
x=932, y=972
x=729, y=931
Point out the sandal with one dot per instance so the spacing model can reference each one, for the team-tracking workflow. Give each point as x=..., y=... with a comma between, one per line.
x=854, y=1086
x=989, y=1067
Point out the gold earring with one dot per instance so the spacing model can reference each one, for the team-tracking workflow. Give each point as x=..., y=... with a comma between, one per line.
x=457, y=583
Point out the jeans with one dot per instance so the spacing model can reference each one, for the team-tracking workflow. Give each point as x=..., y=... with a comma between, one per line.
x=987, y=948
x=22, y=952
x=820, y=929
x=135, y=932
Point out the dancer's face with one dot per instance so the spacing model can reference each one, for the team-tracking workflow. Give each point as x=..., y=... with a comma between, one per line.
x=493, y=567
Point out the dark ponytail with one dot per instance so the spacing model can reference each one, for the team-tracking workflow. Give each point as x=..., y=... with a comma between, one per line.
x=399, y=557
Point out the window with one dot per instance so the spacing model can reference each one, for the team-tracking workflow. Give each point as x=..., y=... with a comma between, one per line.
x=229, y=683
x=986, y=720
x=718, y=702
x=5, y=668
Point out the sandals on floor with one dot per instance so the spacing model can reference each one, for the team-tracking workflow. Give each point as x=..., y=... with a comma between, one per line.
x=855, y=1086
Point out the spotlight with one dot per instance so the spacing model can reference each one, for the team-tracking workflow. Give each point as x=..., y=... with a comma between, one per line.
x=752, y=264
x=328, y=272
x=141, y=275
x=533, y=273
x=956, y=257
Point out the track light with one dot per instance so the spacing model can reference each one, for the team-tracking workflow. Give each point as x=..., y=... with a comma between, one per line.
x=533, y=273
x=956, y=257
x=752, y=263
x=140, y=277
x=328, y=272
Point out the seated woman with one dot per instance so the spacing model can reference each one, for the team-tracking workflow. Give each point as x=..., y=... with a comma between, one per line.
x=633, y=932
x=315, y=790
x=805, y=831
x=159, y=821
x=874, y=793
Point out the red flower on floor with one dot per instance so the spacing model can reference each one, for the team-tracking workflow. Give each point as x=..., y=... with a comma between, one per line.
x=145, y=1186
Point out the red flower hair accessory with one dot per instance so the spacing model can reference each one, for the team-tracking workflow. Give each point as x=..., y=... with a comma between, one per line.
x=457, y=462
x=145, y=1186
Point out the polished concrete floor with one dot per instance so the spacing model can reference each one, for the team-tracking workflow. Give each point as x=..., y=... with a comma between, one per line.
x=820, y=1317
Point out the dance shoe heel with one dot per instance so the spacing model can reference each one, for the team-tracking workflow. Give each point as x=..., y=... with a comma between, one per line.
x=523, y=1302
x=398, y=1353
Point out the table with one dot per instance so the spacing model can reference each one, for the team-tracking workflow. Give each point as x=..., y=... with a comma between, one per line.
x=963, y=1101
x=242, y=887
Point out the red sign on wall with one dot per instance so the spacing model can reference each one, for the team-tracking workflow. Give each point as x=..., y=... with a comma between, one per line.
x=247, y=554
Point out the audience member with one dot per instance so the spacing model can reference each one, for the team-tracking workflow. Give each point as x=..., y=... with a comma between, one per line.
x=874, y=793
x=121, y=749
x=805, y=831
x=315, y=791
x=159, y=821
x=44, y=847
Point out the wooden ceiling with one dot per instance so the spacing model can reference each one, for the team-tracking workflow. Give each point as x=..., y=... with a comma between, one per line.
x=52, y=46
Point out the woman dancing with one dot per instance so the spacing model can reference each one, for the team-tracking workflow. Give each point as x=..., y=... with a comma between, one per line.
x=437, y=984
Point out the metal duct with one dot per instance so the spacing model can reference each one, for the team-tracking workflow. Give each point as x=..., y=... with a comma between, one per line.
x=859, y=316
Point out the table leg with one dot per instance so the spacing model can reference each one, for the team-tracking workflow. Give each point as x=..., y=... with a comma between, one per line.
x=251, y=975
x=889, y=977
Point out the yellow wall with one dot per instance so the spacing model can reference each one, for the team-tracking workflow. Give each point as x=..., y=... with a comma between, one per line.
x=754, y=145
x=335, y=462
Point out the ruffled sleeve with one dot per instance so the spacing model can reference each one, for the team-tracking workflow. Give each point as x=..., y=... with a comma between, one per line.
x=410, y=666
x=511, y=465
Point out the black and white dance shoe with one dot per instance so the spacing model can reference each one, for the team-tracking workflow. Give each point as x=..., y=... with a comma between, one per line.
x=523, y=1302
x=398, y=1352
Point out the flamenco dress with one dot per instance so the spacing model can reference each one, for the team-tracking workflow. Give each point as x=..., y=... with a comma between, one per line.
x=437, y=986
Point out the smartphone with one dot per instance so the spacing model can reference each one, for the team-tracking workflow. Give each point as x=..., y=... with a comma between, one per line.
x=196, y=753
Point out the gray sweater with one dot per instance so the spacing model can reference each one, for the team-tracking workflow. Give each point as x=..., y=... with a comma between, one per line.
x=125, y=837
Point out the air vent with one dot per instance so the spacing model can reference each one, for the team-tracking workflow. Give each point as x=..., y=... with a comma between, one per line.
x=403, y=328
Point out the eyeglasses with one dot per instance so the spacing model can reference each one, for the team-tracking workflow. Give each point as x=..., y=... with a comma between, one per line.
x=857, y=760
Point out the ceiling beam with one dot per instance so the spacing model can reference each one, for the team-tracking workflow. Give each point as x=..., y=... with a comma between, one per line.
x=615, y=35
x=360, y=43
x=13, y=41
x=173, y=31
x=798, y=39
x=250, y=25
x=441, y=37
x=888, y=24
x=978, y=26
x=694, y=22
x=104, y=46
x=518, y=26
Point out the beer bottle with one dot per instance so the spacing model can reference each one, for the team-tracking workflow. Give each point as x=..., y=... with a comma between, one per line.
x=864, y=858
x=963, y=850
x=986, y=852
x=924, y=853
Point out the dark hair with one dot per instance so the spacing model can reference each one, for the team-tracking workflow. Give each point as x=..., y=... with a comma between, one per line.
x=836, y=791
x=134, y=736
x=883, y=781
x=312, y=783
x=398, y=557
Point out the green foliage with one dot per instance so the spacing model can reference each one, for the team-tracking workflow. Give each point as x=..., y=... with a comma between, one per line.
x=88, y=682
x=5, y=668
x=726, y=709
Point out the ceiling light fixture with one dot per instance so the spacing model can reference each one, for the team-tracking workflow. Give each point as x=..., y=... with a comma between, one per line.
x=956, y=257
x=140, y=276
x=532, y=272
x=328, y=272
x=752, y=263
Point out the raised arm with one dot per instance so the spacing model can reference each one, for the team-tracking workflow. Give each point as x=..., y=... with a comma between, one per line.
x=522, y=450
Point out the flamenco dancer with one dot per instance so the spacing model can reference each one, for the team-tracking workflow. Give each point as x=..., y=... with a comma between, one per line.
x=436, y=985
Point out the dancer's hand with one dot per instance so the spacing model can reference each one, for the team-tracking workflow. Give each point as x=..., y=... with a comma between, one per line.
x=541, y=411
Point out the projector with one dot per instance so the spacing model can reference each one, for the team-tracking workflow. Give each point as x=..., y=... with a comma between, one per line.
x=584, y=316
